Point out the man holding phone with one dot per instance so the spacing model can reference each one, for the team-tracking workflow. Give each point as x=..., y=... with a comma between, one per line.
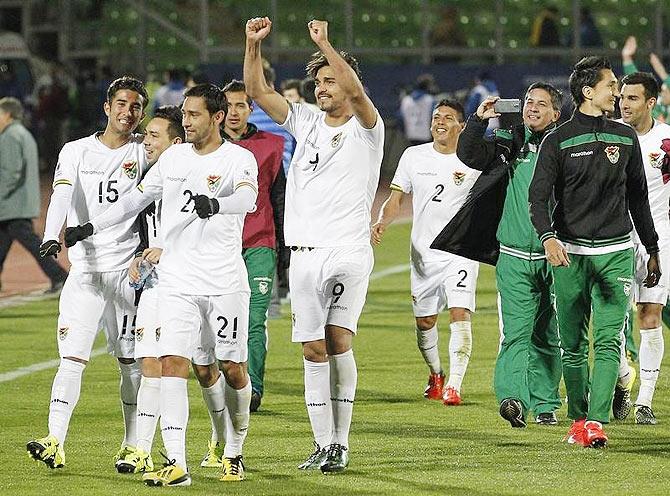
x=493, y=227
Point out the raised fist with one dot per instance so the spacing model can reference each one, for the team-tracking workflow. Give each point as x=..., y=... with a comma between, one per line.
x=258, y=28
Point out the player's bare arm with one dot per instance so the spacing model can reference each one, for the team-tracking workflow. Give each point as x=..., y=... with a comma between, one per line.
x=274, y=104
x=347, y=79
x=628, y=50
x=658, y=66
x=387, y=214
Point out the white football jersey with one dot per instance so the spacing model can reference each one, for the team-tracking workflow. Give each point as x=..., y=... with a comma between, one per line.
x=200, y=256
x=332, y=180
x=100, y=176
x=659, y=190
x=439, y=184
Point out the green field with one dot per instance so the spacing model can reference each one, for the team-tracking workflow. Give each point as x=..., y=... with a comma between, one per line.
x=400, y=443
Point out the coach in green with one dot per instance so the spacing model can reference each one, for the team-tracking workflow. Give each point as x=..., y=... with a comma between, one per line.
x=493, y=227
x=593, y=168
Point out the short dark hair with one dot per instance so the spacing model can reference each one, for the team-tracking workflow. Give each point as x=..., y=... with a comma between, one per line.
x=268, y=72
x=172, y=114
x=128, y=83
x=453, y=104
x=319, y=60
x=291, y=84
x=215, y=98
x=237, y=86
x=586, y=72
x=12, y=106
x=307, y=92
x=555, y=94
x=647, y=80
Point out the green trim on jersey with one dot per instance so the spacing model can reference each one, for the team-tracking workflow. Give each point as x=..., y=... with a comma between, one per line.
x=503, y=134
x=582, y=139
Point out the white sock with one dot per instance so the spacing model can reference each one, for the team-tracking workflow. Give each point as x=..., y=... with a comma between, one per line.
x=624, y=366
x=652, y=347
x=237, y=404
x=460, y=348
x=216, y=406
x=427, y=342
x=317, y=400
x=343, y=379
x=174, y=418
x=64, y=396
x=131, y=376
x=148, y=411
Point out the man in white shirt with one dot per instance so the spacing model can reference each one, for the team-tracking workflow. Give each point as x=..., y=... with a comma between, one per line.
x=638, y=97
x=330, y=187
x=92, y=174
x=203, y=290
x=439, y=183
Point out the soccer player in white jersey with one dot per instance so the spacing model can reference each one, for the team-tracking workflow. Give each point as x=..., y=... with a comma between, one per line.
x=638, y=97
x=439, y=183
x=162, y=131
x=92, y=174
x=203, y=289
x=330, y=187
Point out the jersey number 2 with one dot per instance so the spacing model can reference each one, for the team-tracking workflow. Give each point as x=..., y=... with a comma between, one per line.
x=439, y=190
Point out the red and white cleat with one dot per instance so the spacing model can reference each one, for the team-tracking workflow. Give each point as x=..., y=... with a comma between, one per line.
x=435, y=387
x=576, y=433
x=451, y=397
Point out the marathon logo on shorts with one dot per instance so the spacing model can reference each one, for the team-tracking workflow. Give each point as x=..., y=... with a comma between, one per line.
x=213, y=183
x=336, y=140
x=62, y=333
x=612, y=153
x=656, y=160
x=459, y=177
x=130, y=168
x=158, y=333
x=139, y=334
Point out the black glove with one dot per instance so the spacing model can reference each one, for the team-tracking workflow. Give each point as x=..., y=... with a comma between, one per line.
x=205, y=206
x=50, y=248
x=75, y=234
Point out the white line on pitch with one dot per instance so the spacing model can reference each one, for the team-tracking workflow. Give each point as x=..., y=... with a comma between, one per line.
x=37, y=367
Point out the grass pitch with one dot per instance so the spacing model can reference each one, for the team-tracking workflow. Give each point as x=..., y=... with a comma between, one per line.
x=400, y=443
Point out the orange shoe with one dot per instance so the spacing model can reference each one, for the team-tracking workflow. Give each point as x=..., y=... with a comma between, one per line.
x=451, y=397
x=576, y=433
x=435, y=387
x=594, y=436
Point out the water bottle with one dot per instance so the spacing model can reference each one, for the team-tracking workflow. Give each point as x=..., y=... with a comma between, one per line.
x=148, y=277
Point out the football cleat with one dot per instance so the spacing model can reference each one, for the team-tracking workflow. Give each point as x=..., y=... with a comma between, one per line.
x=170, y=475
x=232, y=470
x=135, y=462
x=451, y=397
x=337, y=459
x=213, y=457
x=644, y=415
x=576, y=433
x=255, y=403
x=123, y=452
x=594, y=436
x=435, y=388
x=546, y=418
x=621, y=404
x=47, y=450
x=314, y=460
x=512, y=411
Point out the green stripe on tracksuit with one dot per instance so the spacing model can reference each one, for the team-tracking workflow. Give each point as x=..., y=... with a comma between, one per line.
x=261, y=263
x=528, y=367
x=602, y=283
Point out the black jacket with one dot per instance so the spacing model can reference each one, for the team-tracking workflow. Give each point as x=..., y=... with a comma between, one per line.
x=593, y=167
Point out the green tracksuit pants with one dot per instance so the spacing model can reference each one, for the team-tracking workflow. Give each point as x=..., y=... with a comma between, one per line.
x=261, y=263
x=631, y=348
x=528, y=367
x=602, y=284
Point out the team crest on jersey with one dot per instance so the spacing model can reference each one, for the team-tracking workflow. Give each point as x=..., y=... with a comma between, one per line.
x=158, y=333
x=213, y=183
x=459, y=177
x=656, y=160
x=62, y=333
x=139, y=334
x=336, y=140
x=130, y=168
x=612, y=153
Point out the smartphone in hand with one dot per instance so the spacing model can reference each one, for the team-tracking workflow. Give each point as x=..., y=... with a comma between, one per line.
x=507, y=106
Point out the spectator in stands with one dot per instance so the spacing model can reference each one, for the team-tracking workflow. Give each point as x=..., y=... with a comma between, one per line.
x=53, y=109
x=484, y=87
x=197, y=77
x=172, y=92
x=544, y=32
x=416, y=110
x=20, y=190
x=589, y=36
x=447, y=33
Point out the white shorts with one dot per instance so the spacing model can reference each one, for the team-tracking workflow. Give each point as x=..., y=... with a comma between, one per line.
x=659, y=293
x=328, y=287
x=148, y=326
x=438, y=284
x=91, y=301
x=201, y=327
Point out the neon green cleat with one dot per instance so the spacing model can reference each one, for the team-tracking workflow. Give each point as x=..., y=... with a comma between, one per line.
x=213, y=457
x=233, y=469
x=621, y=403
x=170, y=475
x=123, y=452
x=47, y=450
x=135, y=462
